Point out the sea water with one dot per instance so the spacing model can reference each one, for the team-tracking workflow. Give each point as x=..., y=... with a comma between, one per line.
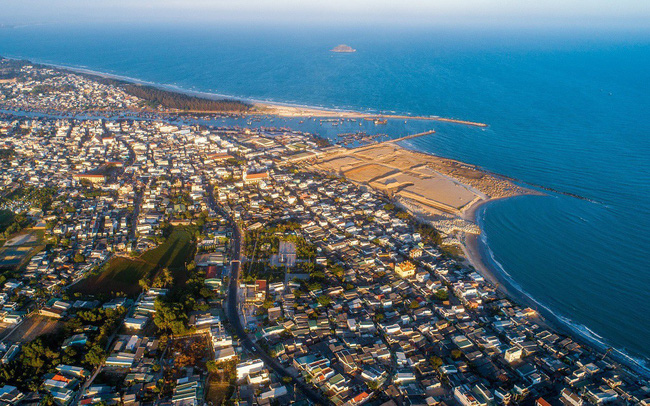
x=565, y=110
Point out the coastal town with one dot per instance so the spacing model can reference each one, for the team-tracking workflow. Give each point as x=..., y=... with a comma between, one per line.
x=152, y=260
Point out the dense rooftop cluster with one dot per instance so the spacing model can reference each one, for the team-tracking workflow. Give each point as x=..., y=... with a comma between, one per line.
x=46, y=89
x=379, y=312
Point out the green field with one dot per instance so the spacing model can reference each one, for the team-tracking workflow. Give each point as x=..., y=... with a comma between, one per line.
x=6, y=218
x=121, y=274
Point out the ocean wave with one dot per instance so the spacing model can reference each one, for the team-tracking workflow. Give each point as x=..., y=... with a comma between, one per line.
x=640, y=364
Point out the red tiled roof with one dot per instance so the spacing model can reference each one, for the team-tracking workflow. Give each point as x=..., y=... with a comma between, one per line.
x=360, y=397
x=211, y=273
x=88, y=175
x=257, y=175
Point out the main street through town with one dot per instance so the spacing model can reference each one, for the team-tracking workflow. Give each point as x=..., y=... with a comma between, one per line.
x=232, y=313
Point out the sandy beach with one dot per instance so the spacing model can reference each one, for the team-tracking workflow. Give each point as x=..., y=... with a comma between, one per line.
x=284, y=110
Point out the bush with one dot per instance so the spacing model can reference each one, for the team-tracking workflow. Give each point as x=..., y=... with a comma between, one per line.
x=436, y=361
x=324, y=300
x=442, y=294
x=211, y=366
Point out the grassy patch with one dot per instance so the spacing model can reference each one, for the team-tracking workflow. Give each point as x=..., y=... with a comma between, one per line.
x=122, y=274
x=221, y=384
x=219, y=392
x=453, y=251
x=6, y=218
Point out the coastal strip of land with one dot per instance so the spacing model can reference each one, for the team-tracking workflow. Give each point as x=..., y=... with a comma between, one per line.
x=447, y=194
x=282, y=110
x=225, y=104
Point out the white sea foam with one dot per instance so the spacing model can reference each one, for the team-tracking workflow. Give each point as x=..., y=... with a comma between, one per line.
x=639, y=364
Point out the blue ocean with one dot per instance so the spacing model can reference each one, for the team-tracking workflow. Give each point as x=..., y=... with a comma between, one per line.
x=565, y=110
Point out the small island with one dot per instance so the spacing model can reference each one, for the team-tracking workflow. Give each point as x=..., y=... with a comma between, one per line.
x=343, y=49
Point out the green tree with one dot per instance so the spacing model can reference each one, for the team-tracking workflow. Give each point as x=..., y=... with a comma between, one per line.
x=402, y=215
x=38, y=355
x=324, y=300
x=144, y=283
x=47, y=400
x=170, y=316
x=268, y=303
x=211, y=366
x=436, y=361
x=95, y=356
x=338, y=271
x=442, y=294
x=373, y=385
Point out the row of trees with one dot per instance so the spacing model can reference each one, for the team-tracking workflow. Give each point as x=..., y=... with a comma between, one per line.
x=41, y=198
x=163, y=279
x=17, y=223
x=268, y=240
x=158, y=97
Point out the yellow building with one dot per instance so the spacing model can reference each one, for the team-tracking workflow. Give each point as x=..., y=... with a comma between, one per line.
x=405, y=269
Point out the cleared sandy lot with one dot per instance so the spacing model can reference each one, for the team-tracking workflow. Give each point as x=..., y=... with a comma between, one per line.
x=442, y=185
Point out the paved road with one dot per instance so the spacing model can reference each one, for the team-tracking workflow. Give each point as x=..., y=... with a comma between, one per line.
x=97, y=370
x=232, y=313
x=137, y=203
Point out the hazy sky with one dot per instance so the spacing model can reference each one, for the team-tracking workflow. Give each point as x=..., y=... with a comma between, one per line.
x=585, y=13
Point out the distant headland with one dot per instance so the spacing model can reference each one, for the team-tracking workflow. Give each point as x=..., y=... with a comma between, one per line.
x=343, y=49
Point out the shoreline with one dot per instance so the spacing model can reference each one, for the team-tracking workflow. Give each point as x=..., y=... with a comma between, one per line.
x=474, y=254
x=471, y=246
x=259, y=107
x=288, y=111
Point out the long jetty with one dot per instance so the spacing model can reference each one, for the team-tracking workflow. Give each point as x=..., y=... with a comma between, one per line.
x=429, y=118
x=453, y=120
x=408, y=137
